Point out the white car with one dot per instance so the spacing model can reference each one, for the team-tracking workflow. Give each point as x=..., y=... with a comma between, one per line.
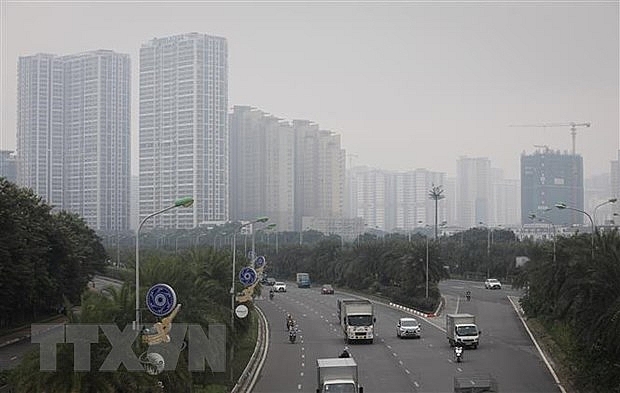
x=408, y=327
x=492, y=283
x=279, y=286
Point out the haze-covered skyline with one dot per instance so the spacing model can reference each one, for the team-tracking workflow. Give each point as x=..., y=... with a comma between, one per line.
x=406, y=84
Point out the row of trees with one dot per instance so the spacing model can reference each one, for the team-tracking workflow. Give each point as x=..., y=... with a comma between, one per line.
x=45, y=257
x=577, y=298
x=200, y=279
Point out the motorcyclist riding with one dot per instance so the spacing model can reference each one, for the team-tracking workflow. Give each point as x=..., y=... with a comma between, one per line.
x=345, y=353
x=468, y=295
x=292, y=332
x=458, y=352
x=271, y=294
x=289, y=321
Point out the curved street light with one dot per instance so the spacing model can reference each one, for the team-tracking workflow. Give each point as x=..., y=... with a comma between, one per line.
x=533, y=216
x=610, y=200
x=181, y=202
x=562, y=205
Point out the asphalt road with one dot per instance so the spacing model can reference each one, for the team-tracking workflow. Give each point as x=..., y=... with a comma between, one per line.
x=402, y=365
x=12, y=355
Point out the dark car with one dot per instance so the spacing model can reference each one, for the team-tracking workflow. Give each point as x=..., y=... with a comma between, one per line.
x=270, y=281
x=327, y=290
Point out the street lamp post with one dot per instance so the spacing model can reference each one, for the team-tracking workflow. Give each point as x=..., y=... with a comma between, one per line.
x=562, y=205
x=610, y=200
x=181, y=202
x=232, y=282
x=533, y=216
x=427, y=267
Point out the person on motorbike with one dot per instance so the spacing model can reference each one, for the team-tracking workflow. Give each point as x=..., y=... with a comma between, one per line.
x=289, y=321
x=345, y=353
x=271, y=294
x=458, y=351
x=292, y=332
x=468, y=295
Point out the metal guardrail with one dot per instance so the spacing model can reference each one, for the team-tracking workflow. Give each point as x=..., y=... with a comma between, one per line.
x=252, y=370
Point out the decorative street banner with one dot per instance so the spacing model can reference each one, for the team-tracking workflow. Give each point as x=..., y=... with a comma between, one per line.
x=259, y=262
x=161, y=299
x=247, y=276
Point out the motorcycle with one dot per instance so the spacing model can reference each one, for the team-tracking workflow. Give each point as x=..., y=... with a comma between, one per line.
x=271, y=295
x=289, y=324
x=468, y=295
x=458, y=354
x=292, y=336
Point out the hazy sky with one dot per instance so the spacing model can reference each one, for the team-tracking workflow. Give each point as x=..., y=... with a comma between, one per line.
x=407, y=84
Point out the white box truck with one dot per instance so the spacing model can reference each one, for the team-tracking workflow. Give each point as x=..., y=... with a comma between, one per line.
x=337, y=375
x=462, y=329
x=357, y=320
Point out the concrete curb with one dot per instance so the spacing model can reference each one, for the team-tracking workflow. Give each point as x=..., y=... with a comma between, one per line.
x=255, y=364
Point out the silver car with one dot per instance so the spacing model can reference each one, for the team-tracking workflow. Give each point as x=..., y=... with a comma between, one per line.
x=408, y=327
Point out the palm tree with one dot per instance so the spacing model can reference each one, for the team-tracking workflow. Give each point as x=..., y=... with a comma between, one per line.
x=436, y=194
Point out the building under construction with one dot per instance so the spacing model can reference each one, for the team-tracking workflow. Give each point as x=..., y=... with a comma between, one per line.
x=549, y=177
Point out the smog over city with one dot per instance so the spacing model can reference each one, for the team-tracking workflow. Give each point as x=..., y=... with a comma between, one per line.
x=406, y=84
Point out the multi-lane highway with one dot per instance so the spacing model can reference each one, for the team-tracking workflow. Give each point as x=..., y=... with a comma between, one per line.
x=396, y=365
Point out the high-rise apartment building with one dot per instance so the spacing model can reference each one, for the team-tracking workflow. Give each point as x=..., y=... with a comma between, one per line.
x=412, y=205
x=615, y=181
x=319, y=173
x=505, y=201
x=370, y=196
x=473, y=191
x=184, y=144
x=262, y=172
x=8, y=165
x=549, y=177
x=73, y=133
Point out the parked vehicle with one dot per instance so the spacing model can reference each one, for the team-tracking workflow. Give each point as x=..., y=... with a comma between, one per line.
x=408, y=327
x=279, y=286
x=356, y=319
x=327, y=290
x=270, y=281
x=303, y=280
x=492, y=283
x=337, y=375
x=461, y=329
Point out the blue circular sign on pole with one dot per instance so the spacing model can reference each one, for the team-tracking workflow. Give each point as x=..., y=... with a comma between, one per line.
x=161, y=299
x=247, y=276
x=259, y=262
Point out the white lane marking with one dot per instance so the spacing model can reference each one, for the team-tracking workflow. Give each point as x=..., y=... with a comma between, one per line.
x=301, y=374
x=400, y=362
x=394, y=353
x=407, y=371
x=298, y=386
x=417, y=385
x=303, y=355
x=389, y=346
x=303, y=364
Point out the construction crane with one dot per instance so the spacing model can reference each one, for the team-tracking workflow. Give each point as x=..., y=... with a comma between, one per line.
x=573, y=128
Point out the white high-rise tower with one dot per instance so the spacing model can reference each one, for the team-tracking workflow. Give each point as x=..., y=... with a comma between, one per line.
x=184, y=148
x=73, y=134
